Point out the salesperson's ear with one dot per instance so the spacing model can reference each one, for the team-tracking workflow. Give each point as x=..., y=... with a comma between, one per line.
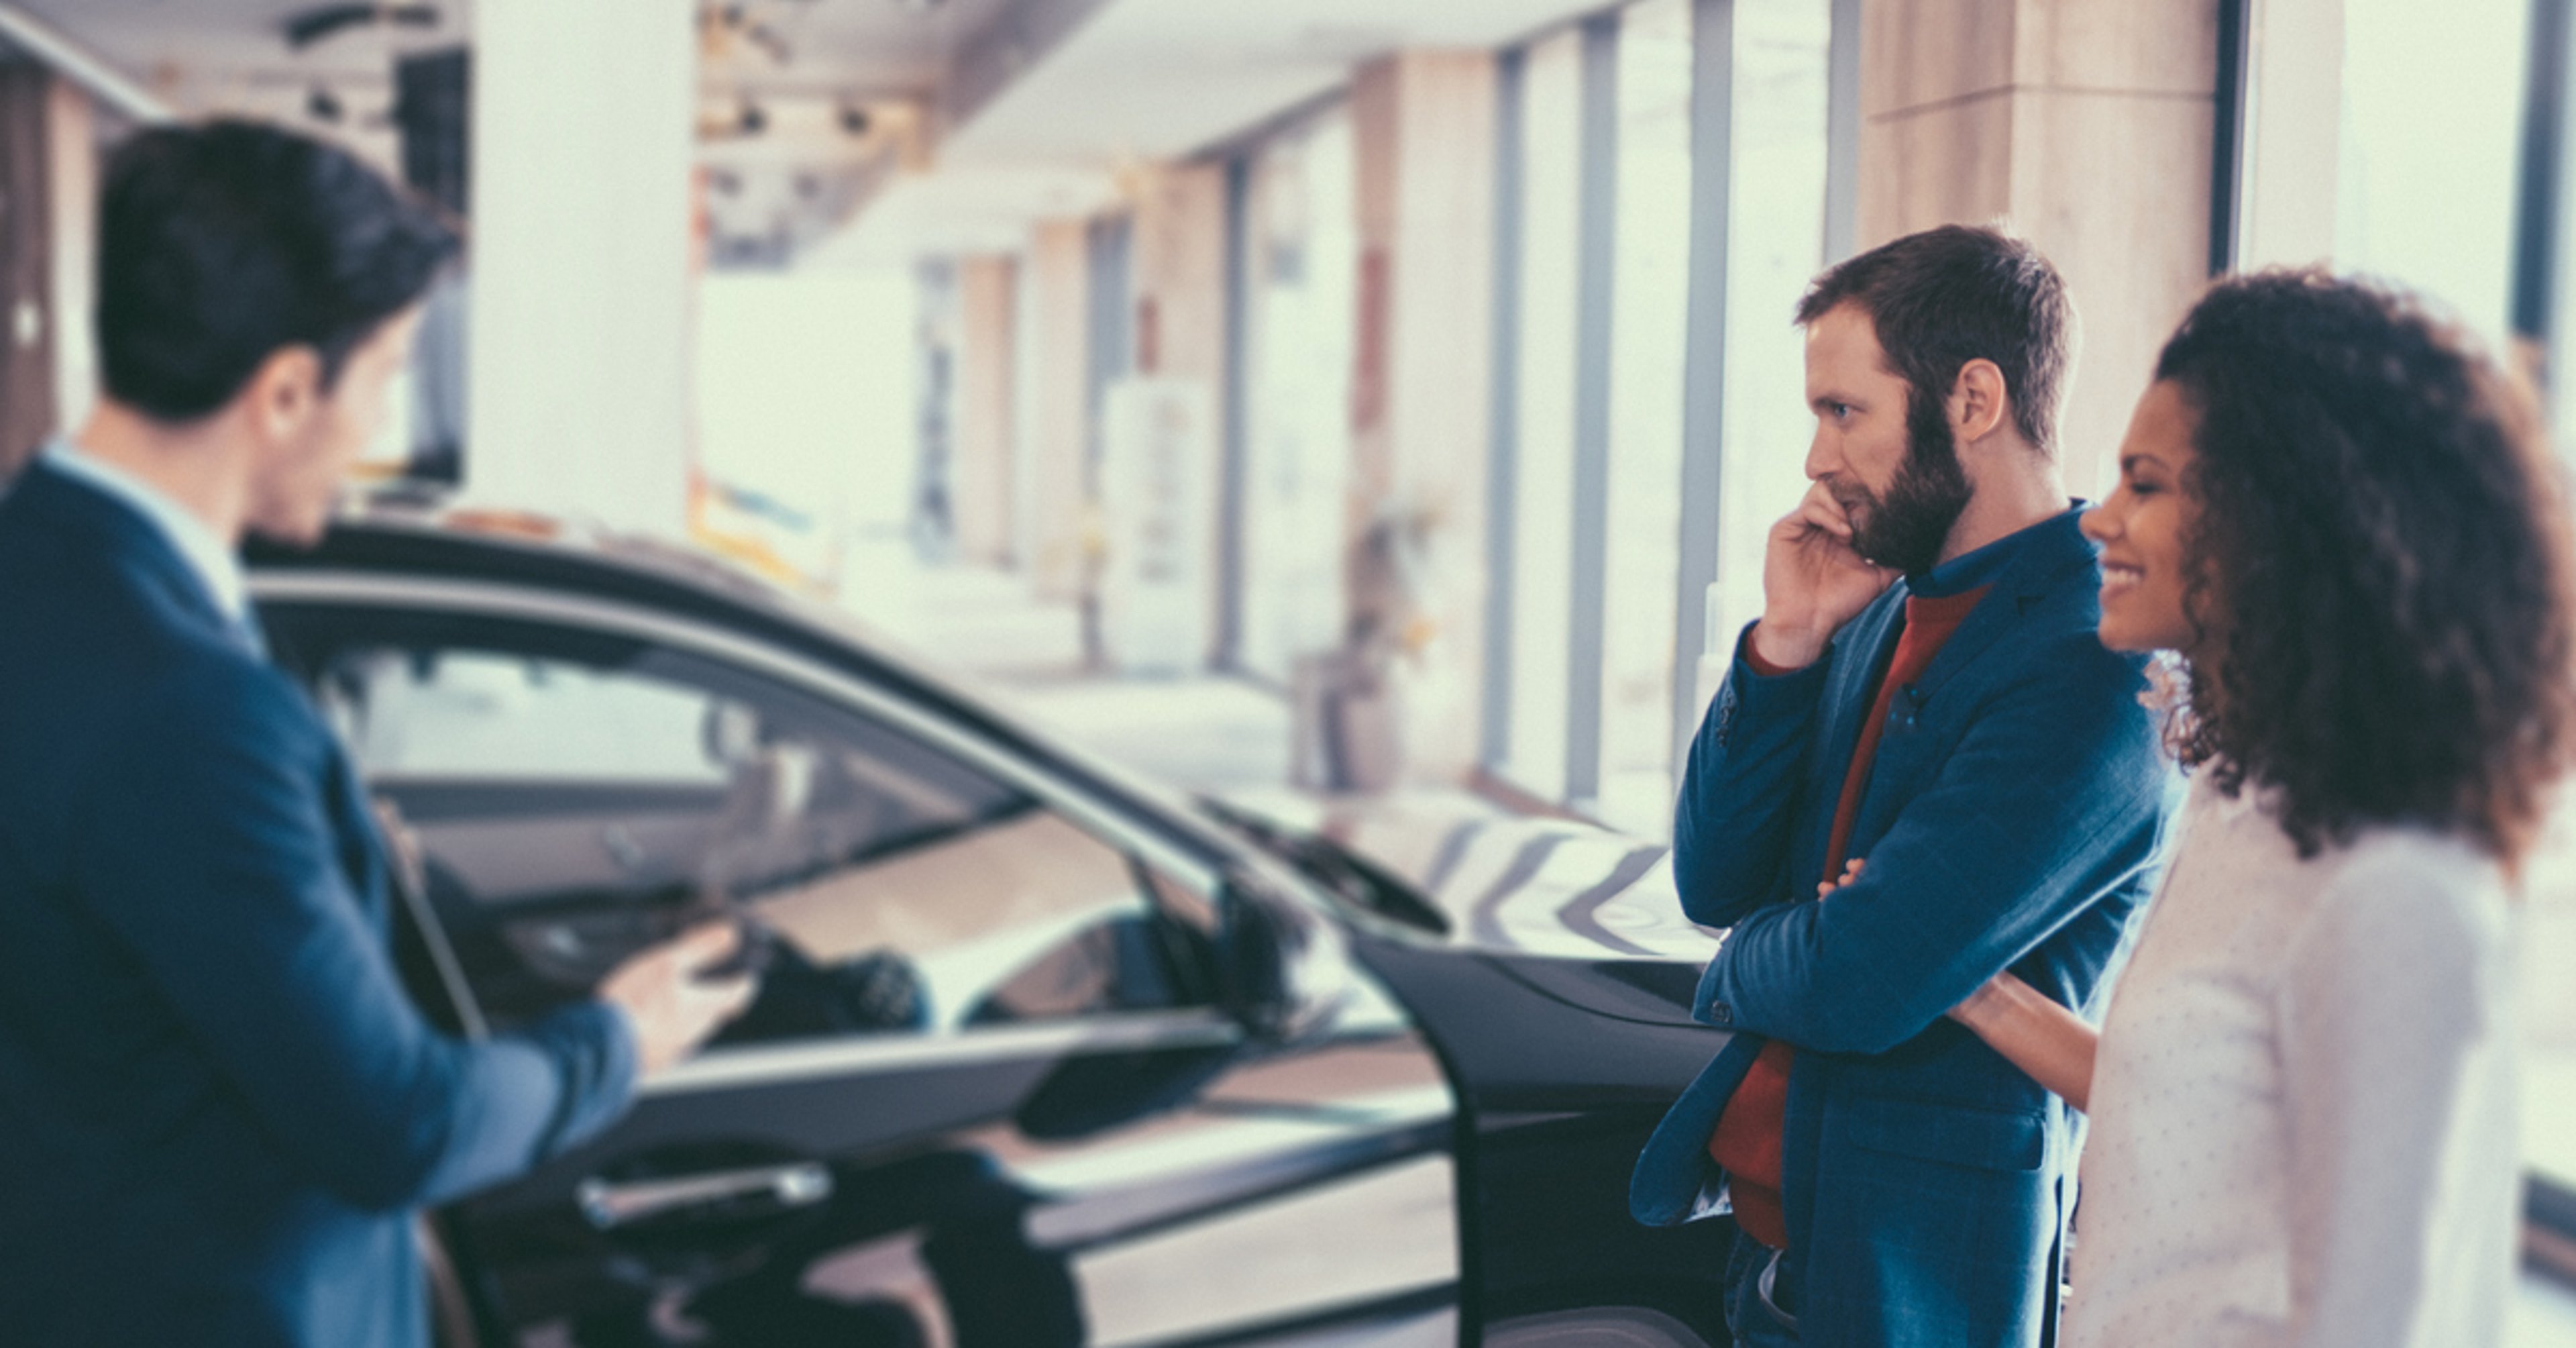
x=284, y=393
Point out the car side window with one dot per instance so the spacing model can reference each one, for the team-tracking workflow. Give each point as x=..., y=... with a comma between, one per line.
x=579, y=795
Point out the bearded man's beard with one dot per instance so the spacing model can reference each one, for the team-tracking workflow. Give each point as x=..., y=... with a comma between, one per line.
x=1906, y=527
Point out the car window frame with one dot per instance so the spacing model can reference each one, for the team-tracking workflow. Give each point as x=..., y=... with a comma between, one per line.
x=730, y=1065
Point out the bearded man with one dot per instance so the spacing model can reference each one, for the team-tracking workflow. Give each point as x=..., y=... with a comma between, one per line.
x=1923, y=693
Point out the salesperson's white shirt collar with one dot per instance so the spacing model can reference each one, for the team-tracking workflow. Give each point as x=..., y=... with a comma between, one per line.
x=207, y=555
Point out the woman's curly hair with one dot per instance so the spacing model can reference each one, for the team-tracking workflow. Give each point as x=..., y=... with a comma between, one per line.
x=2382, y=563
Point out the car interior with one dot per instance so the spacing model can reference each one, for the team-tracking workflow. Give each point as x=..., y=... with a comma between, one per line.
x=574, y=805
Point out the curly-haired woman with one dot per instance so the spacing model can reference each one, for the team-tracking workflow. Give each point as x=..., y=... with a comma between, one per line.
x=2343, y=519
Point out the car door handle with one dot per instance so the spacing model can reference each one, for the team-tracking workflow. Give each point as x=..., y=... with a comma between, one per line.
x=754, y=1192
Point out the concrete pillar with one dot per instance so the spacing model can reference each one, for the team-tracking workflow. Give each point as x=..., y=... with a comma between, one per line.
x=26, y=300
x=1177, y=270
x=579, y=349
x=71, y=171
x=1058, y=433
x=987, y=351
x=2088, y=128
x=1178, y=253
x=1423, y=133
x=48, y=257
x=1028, y=355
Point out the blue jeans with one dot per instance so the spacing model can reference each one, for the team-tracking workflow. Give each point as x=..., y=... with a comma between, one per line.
x=1750, y=1316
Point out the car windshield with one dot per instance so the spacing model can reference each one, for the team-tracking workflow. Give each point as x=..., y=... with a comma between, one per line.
x=1344, y=874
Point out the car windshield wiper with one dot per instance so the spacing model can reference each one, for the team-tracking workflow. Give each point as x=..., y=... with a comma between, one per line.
x=1341, y=872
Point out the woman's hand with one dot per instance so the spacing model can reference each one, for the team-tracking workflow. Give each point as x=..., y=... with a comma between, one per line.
x=1988, y=1005
x=2047, y=1041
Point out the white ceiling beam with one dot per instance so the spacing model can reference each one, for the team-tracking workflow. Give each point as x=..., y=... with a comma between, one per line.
x=992, y=60
x=104, y=82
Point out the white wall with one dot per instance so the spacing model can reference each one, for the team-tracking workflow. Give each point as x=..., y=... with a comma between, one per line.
x=805, y=391
x=578, y=350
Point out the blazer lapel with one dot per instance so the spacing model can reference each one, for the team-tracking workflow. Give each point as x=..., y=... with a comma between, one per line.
x=362, y=847
x=1860, y=653
x=2052, y=561
x=2049, y=562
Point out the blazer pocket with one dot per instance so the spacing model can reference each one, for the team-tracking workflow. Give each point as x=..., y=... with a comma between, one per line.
x=1987, y=1139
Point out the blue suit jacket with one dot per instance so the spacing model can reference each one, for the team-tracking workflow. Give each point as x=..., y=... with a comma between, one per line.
x=2012, y=820
x=218, y=1108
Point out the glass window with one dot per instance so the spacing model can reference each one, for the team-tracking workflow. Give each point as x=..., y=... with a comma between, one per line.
x=507, y=718
x=1302, y=280
x=1775, y=246
x=1543, y=522
x=2432, y=113
x=579, y=796
x=1650, y=289
x=2426, y=191
x=2548, y=939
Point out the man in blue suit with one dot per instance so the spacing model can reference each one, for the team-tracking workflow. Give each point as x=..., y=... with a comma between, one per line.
x=218, y=1110
x=1923, y=694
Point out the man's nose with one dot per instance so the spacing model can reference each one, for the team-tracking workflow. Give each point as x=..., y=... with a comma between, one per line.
x=1822, y=463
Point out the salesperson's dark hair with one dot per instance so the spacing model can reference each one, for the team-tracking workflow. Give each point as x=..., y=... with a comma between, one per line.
x=222, y=242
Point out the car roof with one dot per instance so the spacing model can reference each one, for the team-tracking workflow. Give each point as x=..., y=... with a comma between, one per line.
x=664, y=578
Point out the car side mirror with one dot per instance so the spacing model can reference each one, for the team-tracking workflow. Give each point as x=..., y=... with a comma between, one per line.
x=1283, y=968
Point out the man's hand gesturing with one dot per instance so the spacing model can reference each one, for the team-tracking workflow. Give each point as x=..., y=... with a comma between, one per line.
x=670, y=999
x=1812, y=581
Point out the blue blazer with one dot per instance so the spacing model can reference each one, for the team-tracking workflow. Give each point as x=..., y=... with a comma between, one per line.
x=218, y=1109
x=2012, y=820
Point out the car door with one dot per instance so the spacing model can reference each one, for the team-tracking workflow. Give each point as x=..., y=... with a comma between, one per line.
x=986, y=1096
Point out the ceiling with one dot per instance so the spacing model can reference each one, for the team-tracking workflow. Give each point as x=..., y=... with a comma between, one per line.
x=193, y=51
x=1027, y=108
x=1156, y=79
x=1146, y=80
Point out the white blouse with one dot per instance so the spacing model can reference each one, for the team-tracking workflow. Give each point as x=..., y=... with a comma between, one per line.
x=2304, y=1116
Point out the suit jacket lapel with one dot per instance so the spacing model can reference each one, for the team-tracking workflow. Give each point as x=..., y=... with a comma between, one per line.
x=362, y=855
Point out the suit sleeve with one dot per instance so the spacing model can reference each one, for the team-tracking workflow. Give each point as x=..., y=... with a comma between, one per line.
x=1733, y=829
x=204, y=843
x=2049, y=799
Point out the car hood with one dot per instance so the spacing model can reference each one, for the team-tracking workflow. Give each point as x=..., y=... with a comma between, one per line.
x=1507, y=884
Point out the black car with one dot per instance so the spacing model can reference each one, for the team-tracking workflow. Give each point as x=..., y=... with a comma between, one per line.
x=1043, y=1054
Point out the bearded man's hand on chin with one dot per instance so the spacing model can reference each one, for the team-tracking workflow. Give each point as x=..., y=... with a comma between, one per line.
x=1812, y=581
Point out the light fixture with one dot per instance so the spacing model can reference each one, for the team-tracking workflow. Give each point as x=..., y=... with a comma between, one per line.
x=309, y=26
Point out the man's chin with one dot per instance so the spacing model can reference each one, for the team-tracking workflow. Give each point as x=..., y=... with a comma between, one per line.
x=300, y=532
x=1909, y=555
